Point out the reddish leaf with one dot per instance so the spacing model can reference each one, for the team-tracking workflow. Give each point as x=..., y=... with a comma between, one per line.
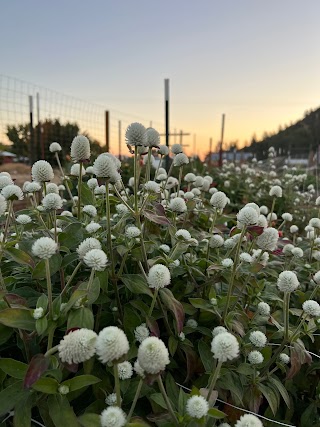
x=153, y=326
x=255, y=230
x=37, y=366
x=174, y=306
x=158, y=219
x=193, y=362
x=14, y=299
x=298, y=356
x=159, y=209
x=234, y=231
x=73, y=367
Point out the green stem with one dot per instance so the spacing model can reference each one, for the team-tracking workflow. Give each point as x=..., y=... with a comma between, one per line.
x=166, y=399
x=179, y=182
x=117, y=384
x=71, y=277
x=49, y=287
x=286, y=315
x=136, y=397
x=63, y=177
x=135, y=189
x=52, y=351
x=108, y=215
x=90, y=280
x=155, y=294
x=214, y=379
x=213, y=221
x=271, y=212
x=6, y=228
x=79, y=191
x=50, y=338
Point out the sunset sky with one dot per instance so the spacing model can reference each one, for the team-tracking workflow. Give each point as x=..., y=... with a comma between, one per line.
x=256, y=61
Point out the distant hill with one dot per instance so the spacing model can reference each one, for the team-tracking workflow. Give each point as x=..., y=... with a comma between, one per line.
x=298, y=139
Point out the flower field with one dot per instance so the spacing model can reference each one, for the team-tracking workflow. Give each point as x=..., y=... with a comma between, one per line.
x=177, y=296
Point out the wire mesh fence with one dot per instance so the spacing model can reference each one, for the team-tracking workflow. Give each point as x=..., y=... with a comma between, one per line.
x=18, y=98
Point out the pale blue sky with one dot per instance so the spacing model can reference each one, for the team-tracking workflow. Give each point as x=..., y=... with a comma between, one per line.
x=257, y=61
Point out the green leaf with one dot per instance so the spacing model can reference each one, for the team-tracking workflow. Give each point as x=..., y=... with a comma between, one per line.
x=215, y=413
x=39, y=272
x=71, y=236
x=19, y=256
x=5, y=333
x=10, y=396
x=22, y=412
x=172, y=389
x=206, y=356
x=159, y=400
x=89, y=420
x=37, y=366
x=42, y=302
x=94, y=291
x=81, y=381
x=86, y=195
x=46, y=385
x=172, y=345
x=69, y=259
x=61, y=412
x=174, y=306
x=81, y=318
x=41, y=325
x=282, y=390
x=77, y=294
x=20, y=318
x=136, y=284
x=14, y=368
x=271, y=397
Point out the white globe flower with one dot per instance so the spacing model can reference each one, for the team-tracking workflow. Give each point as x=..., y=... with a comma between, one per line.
x=92, y=183
x=113, y=417
x=247, y=216
x=196, y=191
x=136, y=134
x=52, y=188
x=258, y=339
x=90, y=210
x=180, y=160
x=42, y=171
x=316, y=277
x=75, y=170
x=284, y=358
x=264, y=309
x=121, y=209
x=93, y=227
x=248, y=420
x=245, y=257
x=176, y=149
x=141, y=332
x=177, y=205
x=315, y=222
x=78, y=346
x=23, y=219
x=80, y=149
x=152, y=187
x=190, y=177
x=216, y=241
x=87, y=245
x=104, y=167
x=158, y=276
x=199, y=181
x=297, y=252
x=100, y=190
x=264, y=210
x=192, y=323
x=311, y=308
x=189, y=195
x=132, y=232
x=287, y=217
x=255, y=357
x=125, y=370
x=38, y=313
x=287, y=249
x=294, y=229
x=153, y=355
x=165, y=248
x=287, y=281
x=163, y=150
x=96, y=259
x=227, y=263
x=272, y=216
x=218, y=330
x=111, y=399
x=4, y=181
x=55, y=147
x=138, y=370
x=219, y=200
x=152, y=138
x=12, y=192
x=197, y=407
x=268, y=240
x=44, y=248
x=32, y=187
x=3, y=205
x=225, y=347
x=254, y=206
x=52, y=201
x=183, y=234
x=111, y=344
x=275, y=191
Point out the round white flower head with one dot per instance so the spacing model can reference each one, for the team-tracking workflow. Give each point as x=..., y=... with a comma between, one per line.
x=314, y=222
x=287, y=217
x=90, y=210
x=42, y=171
x=3, y=205
x=23, y=219
x=225, y=347
x=53, y=230
x=258, y=339
x=264, y=309
x=247, y=216
x=209, y=179
x=80, y=149
x=38, y=313
x=63, y=389
x=224, y=425
x=287, y=281
x=4, y=181
x=316, y=277
x=268, y=240
x=284, y=358
x=190, y=177
x=32, y=187
x=254, y=206
x=92, y=227
x=287, y=249
x=218, y=330
x=152, y=138
x=196, y=191
x=311, y=308
x=184, y=234
x=75, y=170
x=158, y=276
x=180, y=159
x=96, y=259
x=136, y=134
x=138, y=370
x=245, y=257
x=198, y=182
x=55, y=147
x=178, y=205
x=264, y=210
x=255, y=357
x=111, y=399
x=121, y=209
x=152, y=187
x=78, y=346
x=219, y=200
x=87, y=245
x=192, y=323
x=125, y=370
x=227, y=263
x=52, y=188
x=294, y=229
x=197, y=407
x=12, y=192
x=164, y=248
x=297, y=252
x=104, y=167
x=113, y=417
x=92, y=183
x=176, y=149
x=153, y=355
x=100, y=190
x=163, y=150
x=275, y=191
x=132, y=232
x=141, y=332
x=216, y=241
x=52, y=201
x=248, y=420
x=111, y=344
x=272, y=217
x=61, y=187
x=44, y=248
x=318, y=201
x=189, y=195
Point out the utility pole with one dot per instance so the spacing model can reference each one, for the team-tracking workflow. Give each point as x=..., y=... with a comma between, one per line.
x=31, y=148
x=119, y=139
x=221, y=140
x=107, y=132
x=166, y=107
x=40, y=145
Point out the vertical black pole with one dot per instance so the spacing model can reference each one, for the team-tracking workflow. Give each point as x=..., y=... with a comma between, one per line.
x=221, y=141
x=166, y=97
x=40, y=144
x=31, y=143
x=119, y=139
x=107, y=132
